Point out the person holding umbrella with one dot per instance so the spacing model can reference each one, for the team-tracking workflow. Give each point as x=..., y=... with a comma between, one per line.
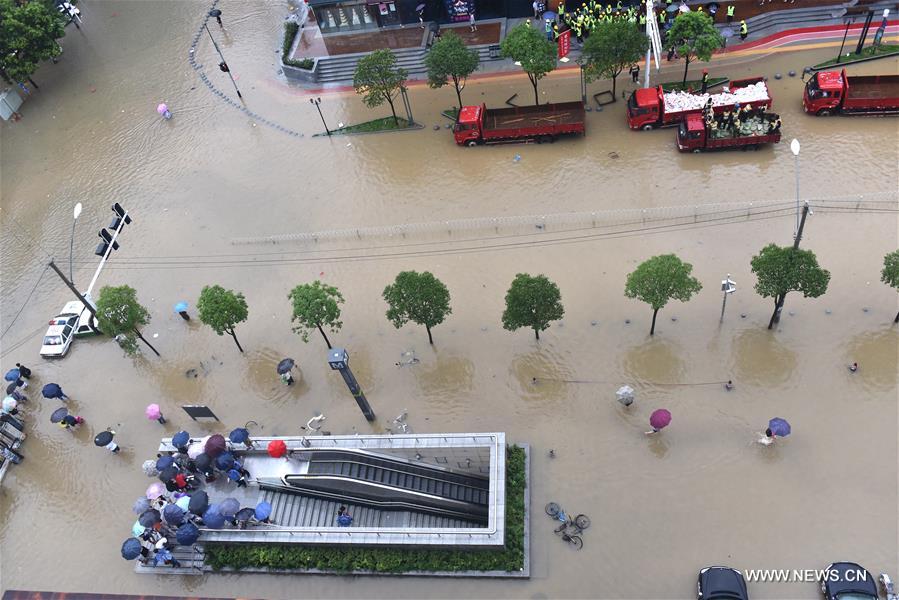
x=241, y=436
x=181, y=307
x=104, y=439
x=16, y=376
x=777, y=427
x=10, y=406
x=181, y=441
x=53, y=390
x=284, y=373
x=23, y=370
x=13, y=390
x=71, y=422
x=154, y=413
x=658, y=420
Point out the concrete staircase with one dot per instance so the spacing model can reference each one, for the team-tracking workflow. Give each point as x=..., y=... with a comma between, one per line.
x=191, y=558
x=340, y=69
x=781, y=20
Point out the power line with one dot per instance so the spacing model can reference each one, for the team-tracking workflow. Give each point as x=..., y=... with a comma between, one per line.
x=24, y=304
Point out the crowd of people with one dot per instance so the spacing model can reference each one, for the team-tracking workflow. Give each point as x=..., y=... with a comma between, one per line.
x=741, y=121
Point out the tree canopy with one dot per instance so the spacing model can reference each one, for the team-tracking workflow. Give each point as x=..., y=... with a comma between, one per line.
x=28, y=34
x=537, y=55
x=417, y=297
x=379, y=79
x=532, y=301
x=449, y=58
x=784, y=269
x=120, y=315
x=222, y=310
x=315, y=306
x=890, y=273
x=612, y=47
x=694, y=36
x=660, y=279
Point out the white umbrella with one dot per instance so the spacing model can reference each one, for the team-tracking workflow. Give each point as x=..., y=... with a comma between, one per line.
x=9, y=404
x=149, y=468
x=196, y=449
x=625, y=395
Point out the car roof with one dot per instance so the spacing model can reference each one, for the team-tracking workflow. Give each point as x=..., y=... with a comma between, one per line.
x=469, y=114
x=722, y=582
x=646, y=97
x=73, y=306
x=55, y=330
x=846, y=585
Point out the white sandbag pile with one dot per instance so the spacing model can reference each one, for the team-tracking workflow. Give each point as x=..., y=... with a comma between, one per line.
x=681, y=101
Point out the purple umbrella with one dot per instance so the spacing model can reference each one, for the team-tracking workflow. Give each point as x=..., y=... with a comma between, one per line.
x=173, y=514
x=155, y=490
x=779, y=427
x=140, y=505
x=660, y=418
x=215, y=445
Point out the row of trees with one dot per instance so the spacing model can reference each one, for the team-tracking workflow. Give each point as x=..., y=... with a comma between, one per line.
x=532, y=301
x=611, y=48
x=28, y=34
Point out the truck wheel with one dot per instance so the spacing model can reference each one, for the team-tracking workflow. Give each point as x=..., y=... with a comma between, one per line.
x=648, y=127
x=824, y=112
x=471, y=143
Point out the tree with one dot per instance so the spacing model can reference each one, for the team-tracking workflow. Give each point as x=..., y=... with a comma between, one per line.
x=315, y=306
x=119, y=315
x=532, y=302
x=449, y=59
x=417, y=297
x=379, y=79
x=28, y=34
x=694, y=36
x=660, y=279
x=537, y=55
x=784, y=269
x=222, y=310
x=890, y=273
x=612, y=47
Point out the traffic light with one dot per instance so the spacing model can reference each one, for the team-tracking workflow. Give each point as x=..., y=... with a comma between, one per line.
x=104, y=245
x=120, y=214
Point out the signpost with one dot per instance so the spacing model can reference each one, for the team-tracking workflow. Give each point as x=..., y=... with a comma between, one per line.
x=339, y=360
x=728, y=286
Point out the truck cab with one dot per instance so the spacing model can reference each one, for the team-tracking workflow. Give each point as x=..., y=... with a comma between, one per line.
x=824, y=92
x=469, y=124
x=691, y=134
x=643, y=108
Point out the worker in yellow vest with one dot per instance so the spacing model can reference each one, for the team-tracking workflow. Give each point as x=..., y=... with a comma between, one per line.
x=730, y=13
x=744, y=30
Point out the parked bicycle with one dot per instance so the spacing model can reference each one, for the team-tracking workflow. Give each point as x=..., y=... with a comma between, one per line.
x=569, y=529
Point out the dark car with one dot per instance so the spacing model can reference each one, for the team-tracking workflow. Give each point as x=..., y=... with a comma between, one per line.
x=848, y=581
x=721, y=583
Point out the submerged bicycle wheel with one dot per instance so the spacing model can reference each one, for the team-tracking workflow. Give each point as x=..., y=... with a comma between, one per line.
x=582, y=521
x=553, y=509
x=577, y=542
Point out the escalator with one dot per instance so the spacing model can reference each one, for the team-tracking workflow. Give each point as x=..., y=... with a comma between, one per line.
x=391, y=484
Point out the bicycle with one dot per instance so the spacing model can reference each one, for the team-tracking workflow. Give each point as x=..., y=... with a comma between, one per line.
x=574, y=540
x=579, y=524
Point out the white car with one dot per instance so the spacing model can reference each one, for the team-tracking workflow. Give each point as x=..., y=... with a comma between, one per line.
x=72, y=321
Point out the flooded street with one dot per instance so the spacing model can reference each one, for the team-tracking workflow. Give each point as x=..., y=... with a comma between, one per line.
x=700, y=493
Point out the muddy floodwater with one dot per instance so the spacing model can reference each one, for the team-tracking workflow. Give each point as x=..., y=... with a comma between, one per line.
x=700, y=493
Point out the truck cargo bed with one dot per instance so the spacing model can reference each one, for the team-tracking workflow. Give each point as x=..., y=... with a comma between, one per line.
x=525, y=117
x=873, y=88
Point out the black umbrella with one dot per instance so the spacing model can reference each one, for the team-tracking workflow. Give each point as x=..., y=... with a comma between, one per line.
x=131, y=548
x=103, y=438
x=215, y=12
x=285, y=365
x=245, y=514
x=198, y=502
x=149, y=518
x=59, y=414
x=51, y=390
x=187, y=534
x=203, y=461
x=11, y=388
x=168, y=474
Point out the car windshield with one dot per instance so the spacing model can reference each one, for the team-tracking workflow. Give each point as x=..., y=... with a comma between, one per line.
x=632, y=103
x=855, y=596
x=52, y=340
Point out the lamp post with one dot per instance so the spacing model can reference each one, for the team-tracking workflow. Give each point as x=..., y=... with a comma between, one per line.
x=794, y=148
x=340, y=361
x=728, y=286
x=846, y=33
x=224, y=64
x=316, y=102
x=76, y=212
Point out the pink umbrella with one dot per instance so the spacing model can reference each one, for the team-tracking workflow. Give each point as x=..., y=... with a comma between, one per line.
x=660, y=419
x=153, y=412
x=155, y=490
x=162, y=108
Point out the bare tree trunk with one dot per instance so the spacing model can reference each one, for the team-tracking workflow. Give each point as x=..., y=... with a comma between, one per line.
x=686, y=66
x=430, y=337
x=896, y=320
x=534, y=83
x=537, y=333
x=327, y=341
x=235, y=340
x=146, y=342
x=652, y=330
x=614, y=87
x=458, y=91
x=395, y=122
x=777, y=306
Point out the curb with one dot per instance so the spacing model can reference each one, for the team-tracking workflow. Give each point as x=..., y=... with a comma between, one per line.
x=854, y=62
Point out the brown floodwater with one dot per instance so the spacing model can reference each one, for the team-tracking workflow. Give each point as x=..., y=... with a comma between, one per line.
x=700, y=493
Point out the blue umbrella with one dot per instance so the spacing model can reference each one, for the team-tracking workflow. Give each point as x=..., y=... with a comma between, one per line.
x=229, y=507
x=263, y=510
x=173, y=514
x=182, y=438
x=13, y=375
x=212, y=518
x=131, y=548
x=51, y=390
x=181, y=306
x=225, y=461
x=779, y=427
x=164, y=463
x=239, y=435
x=187, y=534
x=140, y=505
x=198, y=502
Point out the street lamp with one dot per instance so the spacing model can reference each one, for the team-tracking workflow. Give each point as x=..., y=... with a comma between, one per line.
x=846, y=33
x=76, y=212
x=224, y=64
x=794, y=148
x=339, y=360
x=317, y=102
x=728, y=286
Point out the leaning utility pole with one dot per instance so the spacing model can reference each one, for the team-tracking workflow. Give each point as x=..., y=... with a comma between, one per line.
x=84, y=301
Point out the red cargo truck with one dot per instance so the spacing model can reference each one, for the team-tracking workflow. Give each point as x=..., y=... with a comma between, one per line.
x=647, y=107
x=694, y=135
x=544, y=123
x=829, y=92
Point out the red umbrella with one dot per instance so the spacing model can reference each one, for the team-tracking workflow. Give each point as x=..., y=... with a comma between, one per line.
x=277, y=448
x=215, y=445
x=660, y=418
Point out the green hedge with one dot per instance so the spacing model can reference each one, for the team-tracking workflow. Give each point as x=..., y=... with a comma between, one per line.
x=393, y=560
x=290, y=32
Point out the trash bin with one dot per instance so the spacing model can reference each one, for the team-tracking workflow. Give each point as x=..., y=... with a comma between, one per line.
x=494, y=51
